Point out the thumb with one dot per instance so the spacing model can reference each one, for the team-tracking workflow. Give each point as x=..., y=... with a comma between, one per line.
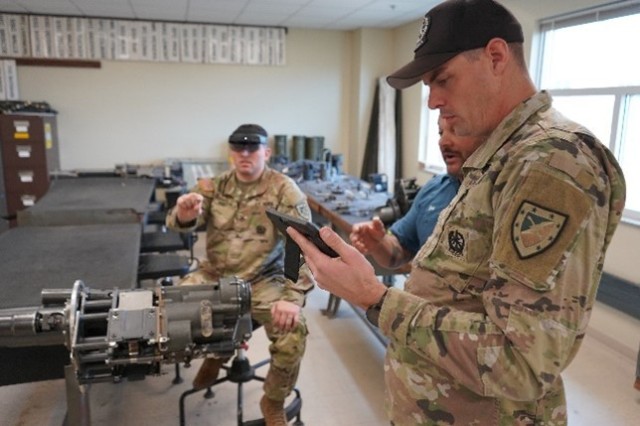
x=333, y=240
x=378, y=226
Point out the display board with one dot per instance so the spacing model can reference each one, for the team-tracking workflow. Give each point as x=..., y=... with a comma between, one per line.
x=60, y=37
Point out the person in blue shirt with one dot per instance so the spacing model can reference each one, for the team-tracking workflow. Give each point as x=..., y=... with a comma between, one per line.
x=396, y=247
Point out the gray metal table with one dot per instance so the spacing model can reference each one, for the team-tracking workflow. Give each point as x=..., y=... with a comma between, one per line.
x=84, y=201
x=35, y=258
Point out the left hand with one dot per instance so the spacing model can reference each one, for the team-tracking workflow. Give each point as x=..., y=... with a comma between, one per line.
x=285, y=315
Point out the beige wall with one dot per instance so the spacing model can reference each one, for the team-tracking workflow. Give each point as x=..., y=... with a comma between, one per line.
x=370, y=62
x=141, y=112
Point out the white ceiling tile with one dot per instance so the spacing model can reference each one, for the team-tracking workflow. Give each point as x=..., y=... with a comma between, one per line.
x=324, y=12
x=214, y=16
x=269, y=8
x=217, y=3
x=352, y=4
x=54, y=7
x=12, y=6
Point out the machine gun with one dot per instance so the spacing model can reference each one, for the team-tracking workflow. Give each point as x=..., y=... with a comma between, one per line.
x=112, y=334
x=396, y=207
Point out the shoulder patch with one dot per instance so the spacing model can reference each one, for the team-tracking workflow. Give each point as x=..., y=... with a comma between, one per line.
x=303, y=210
x=538, y=226
x=205, y=185
x=535, y=229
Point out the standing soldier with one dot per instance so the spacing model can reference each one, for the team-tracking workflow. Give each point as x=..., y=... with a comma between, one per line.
x=499, y=297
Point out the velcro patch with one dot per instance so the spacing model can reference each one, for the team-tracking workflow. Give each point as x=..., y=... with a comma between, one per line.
x=205, y=184
x=303, y=210
x=542, y=220
x=535, y=228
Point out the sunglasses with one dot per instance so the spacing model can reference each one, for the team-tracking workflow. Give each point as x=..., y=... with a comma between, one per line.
x=243, y=146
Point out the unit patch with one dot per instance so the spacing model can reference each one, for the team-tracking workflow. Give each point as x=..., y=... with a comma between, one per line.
x=535, y=229
x=422, y=35
x=205, y=184
x=456, y=243
x=303, y=210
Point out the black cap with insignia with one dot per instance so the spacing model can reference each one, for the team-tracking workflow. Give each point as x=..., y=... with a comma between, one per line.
x=452, y=27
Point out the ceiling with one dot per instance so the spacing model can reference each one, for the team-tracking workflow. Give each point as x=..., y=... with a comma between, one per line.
x=318, y=14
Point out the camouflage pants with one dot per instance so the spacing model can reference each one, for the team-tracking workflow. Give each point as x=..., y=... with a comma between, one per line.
x=286, y=349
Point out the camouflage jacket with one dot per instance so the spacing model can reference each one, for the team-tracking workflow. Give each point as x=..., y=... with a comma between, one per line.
x=499, y=297
x=241, y=240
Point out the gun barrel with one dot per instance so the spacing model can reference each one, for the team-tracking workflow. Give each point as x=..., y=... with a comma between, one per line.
x=30, y=326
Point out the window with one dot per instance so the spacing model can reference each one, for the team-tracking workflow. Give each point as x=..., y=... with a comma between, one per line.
x=584, y=60
x=587, y=61
x=429, y=152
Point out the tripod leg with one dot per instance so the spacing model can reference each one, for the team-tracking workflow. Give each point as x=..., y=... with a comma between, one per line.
x=240, y=423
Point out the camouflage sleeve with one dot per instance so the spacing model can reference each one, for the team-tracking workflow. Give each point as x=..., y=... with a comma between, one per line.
x=551, y=221
x=205, y=187
x=294, y=203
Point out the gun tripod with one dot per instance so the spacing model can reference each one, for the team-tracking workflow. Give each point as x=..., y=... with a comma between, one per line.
x=241, y=371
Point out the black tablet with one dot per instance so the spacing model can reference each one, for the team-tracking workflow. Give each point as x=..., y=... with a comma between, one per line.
x=308, y=229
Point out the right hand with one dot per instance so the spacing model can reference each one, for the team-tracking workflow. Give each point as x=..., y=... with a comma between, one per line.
x=189, y=207
x=349, y=276
x=366, y=236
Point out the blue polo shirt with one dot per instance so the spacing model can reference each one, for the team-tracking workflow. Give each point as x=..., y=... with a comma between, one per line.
x=414, y=228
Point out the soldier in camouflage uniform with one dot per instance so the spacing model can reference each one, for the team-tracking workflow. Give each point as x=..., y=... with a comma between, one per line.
x=243, y=242
x=499, y=297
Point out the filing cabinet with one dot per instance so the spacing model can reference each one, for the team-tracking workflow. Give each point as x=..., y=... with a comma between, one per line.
x=28, y=153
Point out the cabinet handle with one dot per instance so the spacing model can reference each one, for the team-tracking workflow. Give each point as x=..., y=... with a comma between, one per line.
x=25, y=176
x=24, y=151
x=28, y=200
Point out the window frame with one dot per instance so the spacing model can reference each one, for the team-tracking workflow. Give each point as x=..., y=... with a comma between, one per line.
x=620, y=93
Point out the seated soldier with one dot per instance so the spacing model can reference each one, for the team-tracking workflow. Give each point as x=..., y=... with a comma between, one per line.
x=241, y=241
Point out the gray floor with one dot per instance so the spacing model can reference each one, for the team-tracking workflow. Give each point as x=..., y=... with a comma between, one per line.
x=341, y=384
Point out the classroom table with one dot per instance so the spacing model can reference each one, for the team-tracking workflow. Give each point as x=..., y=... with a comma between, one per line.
x=342, y=202
x=91, y=200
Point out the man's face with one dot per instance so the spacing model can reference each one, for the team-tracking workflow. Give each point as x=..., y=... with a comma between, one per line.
x=249, y=160
x=465, y=90
x=456, y=149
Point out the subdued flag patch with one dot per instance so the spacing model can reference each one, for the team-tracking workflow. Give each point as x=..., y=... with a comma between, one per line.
x=535, y=229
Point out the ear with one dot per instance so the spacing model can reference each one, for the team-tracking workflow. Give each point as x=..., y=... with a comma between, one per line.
x=498, y=51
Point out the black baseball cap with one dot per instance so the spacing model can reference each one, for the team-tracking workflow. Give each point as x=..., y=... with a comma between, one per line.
x=249, y=134
x=452, y=27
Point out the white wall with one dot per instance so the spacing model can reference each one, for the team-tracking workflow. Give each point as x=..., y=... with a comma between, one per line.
x=139, y=112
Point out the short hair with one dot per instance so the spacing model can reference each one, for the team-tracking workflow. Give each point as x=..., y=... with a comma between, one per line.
x=516, y=48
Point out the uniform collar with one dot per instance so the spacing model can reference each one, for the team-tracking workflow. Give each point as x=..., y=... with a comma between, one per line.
x=507, y=127
x=250, y=189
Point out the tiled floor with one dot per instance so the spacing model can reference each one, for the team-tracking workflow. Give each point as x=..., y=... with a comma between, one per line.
x=341, y=384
